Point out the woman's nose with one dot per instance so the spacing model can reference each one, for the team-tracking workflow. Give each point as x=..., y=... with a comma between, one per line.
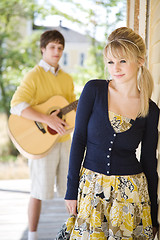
x=116, y=67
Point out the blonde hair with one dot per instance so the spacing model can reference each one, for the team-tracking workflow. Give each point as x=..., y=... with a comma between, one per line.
x=127, y=42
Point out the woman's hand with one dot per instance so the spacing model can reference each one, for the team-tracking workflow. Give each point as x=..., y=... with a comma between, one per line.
x=71, y=207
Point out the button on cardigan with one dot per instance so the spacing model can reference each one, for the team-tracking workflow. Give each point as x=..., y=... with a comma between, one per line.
x=100, y=149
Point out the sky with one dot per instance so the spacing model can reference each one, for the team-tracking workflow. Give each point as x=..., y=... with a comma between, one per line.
x=69, y=9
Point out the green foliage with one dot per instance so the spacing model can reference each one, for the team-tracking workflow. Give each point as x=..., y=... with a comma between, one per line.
x=8, y=158
x=19, y=51
x=94, y=67
x=10, y=57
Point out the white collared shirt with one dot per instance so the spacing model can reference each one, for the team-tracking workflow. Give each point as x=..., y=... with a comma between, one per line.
x=48, y=67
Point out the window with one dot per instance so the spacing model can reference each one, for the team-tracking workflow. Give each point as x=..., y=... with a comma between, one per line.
x=82, y=56
x=65, y=59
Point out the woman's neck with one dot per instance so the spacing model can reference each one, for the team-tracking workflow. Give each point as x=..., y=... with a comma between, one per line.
x=126, y=89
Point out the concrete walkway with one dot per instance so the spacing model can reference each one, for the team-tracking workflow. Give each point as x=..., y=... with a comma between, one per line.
x=14, y=198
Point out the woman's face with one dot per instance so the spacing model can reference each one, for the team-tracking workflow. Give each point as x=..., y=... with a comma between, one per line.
x=122, y=69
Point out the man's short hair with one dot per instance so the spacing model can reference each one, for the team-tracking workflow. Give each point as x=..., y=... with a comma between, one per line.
x=51, y=36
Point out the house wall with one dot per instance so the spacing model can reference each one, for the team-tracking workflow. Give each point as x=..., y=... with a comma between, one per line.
x=74, y=52
x=76, y=44
x=144, y=18
x=154, y=47
x=154, y=65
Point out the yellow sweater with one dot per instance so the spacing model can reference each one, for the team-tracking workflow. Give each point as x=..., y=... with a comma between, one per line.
x=38, y=86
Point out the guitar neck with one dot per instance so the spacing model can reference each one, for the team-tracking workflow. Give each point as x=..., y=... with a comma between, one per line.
x=69, y=107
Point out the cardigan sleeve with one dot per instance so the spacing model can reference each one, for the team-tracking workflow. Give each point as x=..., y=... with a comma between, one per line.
x=148, y=158
x=79, y=141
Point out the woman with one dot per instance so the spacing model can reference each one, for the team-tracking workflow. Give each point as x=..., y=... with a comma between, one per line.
x=117, y=193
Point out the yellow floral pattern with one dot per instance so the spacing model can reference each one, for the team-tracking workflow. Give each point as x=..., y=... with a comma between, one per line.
x=119, y=123
x=112, y=207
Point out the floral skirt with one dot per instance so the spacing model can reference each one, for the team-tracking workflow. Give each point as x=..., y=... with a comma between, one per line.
x=112, y=207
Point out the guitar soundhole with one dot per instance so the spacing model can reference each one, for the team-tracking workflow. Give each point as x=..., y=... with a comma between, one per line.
x=51, y=131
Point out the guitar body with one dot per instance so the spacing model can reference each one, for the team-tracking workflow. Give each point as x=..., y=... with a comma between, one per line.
x=29, y=139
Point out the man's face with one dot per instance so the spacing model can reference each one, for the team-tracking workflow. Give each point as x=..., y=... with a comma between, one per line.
x=52, y=53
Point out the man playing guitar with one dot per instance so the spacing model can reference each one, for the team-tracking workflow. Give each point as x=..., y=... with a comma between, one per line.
x=45, y=80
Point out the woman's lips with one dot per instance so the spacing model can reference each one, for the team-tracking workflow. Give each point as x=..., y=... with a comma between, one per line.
x=119, y=75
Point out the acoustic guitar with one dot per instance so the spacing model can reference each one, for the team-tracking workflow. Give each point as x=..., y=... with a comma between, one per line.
x=34, y=139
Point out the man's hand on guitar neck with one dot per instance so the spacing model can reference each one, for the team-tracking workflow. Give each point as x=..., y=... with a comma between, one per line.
x=53, y=121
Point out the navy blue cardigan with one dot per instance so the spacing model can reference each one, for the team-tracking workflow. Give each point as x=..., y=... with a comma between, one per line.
x=108, y=152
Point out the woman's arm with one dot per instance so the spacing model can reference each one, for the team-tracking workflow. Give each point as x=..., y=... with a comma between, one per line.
x=79, y=141
x=148, y=158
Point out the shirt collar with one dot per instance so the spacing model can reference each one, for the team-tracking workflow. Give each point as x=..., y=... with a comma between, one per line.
x=48, y=67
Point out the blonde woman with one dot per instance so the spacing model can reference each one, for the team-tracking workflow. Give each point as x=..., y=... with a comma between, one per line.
x=111, y=192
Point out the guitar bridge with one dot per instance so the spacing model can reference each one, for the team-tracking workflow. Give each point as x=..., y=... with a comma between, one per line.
x=40, y=127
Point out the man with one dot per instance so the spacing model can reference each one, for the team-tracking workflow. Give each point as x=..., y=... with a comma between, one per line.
x=45, y=80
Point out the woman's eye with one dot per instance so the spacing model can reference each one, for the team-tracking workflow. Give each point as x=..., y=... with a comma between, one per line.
x=110, y=62
x=123, y=61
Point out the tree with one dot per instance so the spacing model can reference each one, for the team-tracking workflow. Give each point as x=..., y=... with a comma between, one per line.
x=18, y=52
x=94, y=67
